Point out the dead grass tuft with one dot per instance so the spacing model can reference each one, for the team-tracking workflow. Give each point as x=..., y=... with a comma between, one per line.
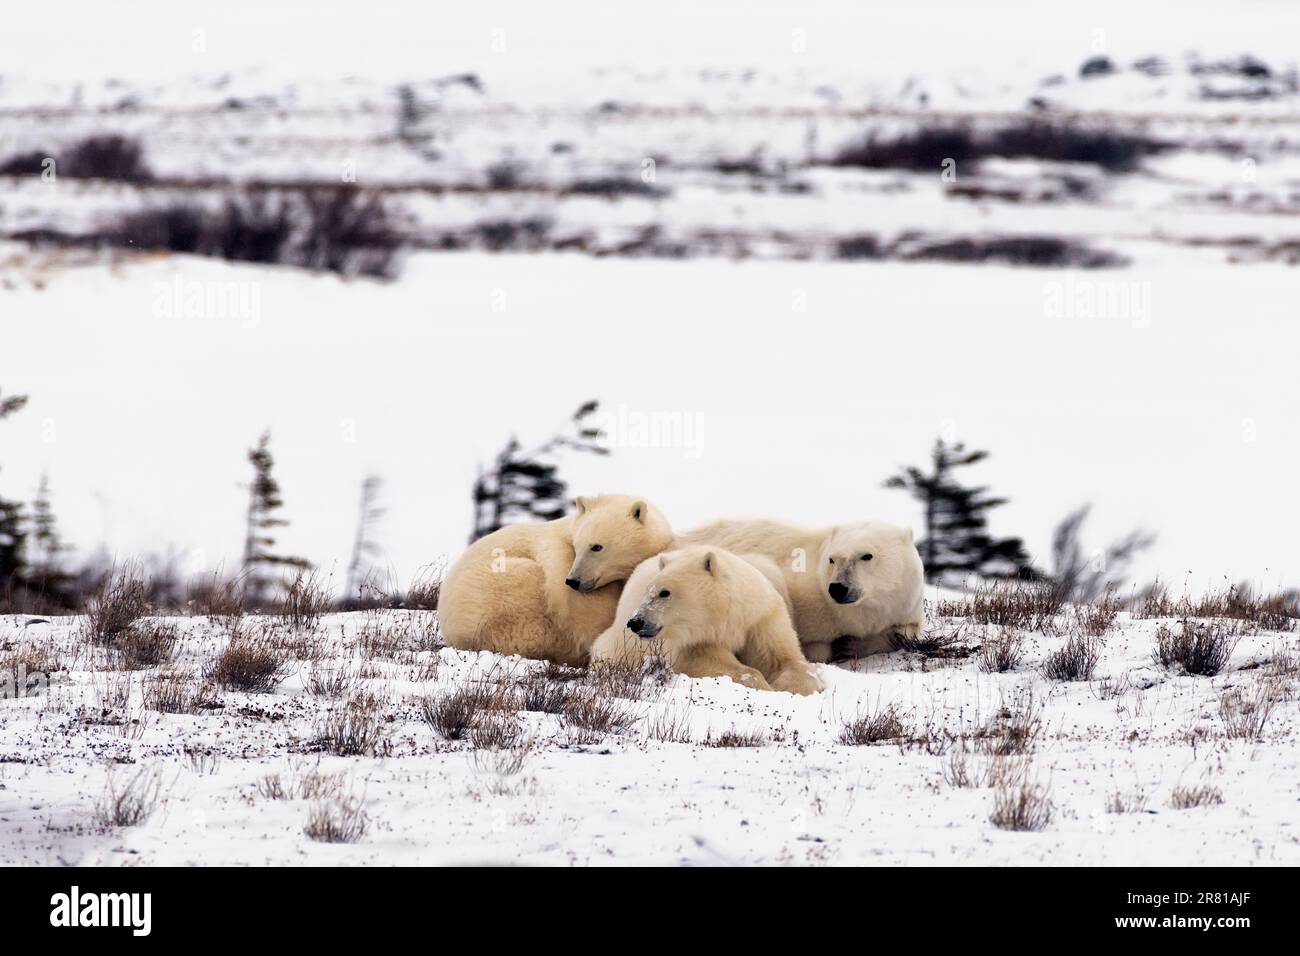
x=129, y=803
x=340, y=818
x=738, y=738
x=1190, y=797
x=1076, y=661
x=1245, y=710
x=305, y=600
x=250, y=662
x=146, y=643
x=25, y=670
x=1002, y=651
x=883, y=726
x=355, y=728
x=121, y=600
x=1021, y=805
x=1201, y=648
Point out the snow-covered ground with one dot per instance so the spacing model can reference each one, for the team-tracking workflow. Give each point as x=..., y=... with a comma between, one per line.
x=654, y=791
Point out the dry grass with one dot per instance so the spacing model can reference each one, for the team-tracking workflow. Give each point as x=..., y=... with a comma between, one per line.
x=354, y=729
x=1127, y=801
x=331, y=682
x=178, y=692
x=426, y=588
x=1094, y=620
x=957, y=771
x=250, y=662
x=146, y=643
x=339, y=818
x=670, y=726
x=495, y=730
x=129, y=803
x=1201, y=648
x=312, y=785
x=121, y=600
x=883, y=726
x=25, y=670
x=738, y=738
x=1013, y=604
x=218, y=600
x=1190, y=797
x=591, y=715
x=1076, y=661
x=501, y=765
x=1245, y=711
x=1002, y=651
x=305, y=600
x=1014, y=729
x=452, y=715
x=1021, y=805
x=1269, y=612
x=536, y=692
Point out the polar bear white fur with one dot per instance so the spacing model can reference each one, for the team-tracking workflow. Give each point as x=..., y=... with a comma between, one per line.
x=862, y=581
x=711, y=614
x=547, y=590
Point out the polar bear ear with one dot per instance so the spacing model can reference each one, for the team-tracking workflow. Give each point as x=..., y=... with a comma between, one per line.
x=639, y=510
x=710, y=563
x=663, y=561
x=580, y=503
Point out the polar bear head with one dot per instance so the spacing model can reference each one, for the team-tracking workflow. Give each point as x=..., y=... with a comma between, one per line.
x=684, y=594
x=612, y=534
x=869, y=562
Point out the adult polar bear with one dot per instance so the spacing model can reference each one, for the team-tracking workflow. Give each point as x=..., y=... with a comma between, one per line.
x=547, y=590
x=862, y=581
x=715, y=614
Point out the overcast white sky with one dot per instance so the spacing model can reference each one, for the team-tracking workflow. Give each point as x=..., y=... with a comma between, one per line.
x=1187, y=427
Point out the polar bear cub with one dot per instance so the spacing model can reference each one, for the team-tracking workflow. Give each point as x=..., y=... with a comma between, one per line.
x=713, y=614
x=862, y=581
x=548, y=590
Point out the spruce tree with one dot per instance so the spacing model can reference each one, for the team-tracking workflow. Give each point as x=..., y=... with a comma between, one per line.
x=363, y=546
x=46, y=574
x=13, y=531
x=264, y=503
x=956, y=520
x=522, y=486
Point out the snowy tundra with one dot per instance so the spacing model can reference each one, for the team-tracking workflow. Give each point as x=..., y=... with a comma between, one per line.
x=356, y=748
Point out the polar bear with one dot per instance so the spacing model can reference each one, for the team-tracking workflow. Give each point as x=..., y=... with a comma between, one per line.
x=862, y=581
x=547, y=590
x=712, y=614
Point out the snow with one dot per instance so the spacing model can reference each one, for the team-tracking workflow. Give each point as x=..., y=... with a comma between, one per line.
x=800, y=798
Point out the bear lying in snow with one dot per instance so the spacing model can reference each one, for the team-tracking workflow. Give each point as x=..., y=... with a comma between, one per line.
x=713, y=614
x=861, y=581
x=547, y=590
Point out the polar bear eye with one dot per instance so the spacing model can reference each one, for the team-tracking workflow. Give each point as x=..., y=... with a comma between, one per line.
x=867, y=556
x=665, y=593
x=832, y=560
x=597, y=547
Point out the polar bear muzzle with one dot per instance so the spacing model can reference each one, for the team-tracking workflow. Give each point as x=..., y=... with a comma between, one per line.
x=644, y=628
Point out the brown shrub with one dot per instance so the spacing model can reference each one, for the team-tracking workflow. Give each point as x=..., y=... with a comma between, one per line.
x=250, y=662
x=882, y=726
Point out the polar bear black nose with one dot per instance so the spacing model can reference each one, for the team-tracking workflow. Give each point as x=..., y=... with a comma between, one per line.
x=838, y=592
x=635, y=625
x=573, y=583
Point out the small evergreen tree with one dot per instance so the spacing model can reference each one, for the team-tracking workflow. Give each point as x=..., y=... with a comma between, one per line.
x=13, y=531
x=521, y=486
x=364, y=546
x=956, y=520
x=264, y=503
x=46, y=573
